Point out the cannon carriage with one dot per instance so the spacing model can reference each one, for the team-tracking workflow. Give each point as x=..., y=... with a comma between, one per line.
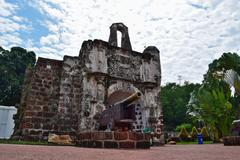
x=118, y=115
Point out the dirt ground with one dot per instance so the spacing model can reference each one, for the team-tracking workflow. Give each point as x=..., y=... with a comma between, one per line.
x=168, y=152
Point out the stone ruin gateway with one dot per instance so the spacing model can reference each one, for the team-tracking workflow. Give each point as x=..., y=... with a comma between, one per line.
x=63, y=97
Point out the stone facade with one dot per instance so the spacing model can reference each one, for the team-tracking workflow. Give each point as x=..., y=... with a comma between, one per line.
x=63, y=96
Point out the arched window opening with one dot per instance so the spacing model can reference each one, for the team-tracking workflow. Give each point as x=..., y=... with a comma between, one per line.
x=119, y=39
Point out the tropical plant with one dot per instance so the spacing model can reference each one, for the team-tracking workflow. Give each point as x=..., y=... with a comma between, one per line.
x=214, y=134
x=233, y=79
x=213, y=104
x=213, y=107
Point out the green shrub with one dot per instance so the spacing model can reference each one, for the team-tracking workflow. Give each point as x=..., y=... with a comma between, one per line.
x=184, y=135
x=215, y=135
x=194, y=133
x=184, y=125
x=205, y=134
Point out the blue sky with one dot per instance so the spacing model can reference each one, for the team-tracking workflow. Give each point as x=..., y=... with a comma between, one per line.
x=189, y=33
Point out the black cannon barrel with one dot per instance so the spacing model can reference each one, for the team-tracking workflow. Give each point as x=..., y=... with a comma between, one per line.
x=131, y=98
x=119, y=113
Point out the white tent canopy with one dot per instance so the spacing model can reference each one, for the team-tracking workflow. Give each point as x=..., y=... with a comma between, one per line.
x=6, y=121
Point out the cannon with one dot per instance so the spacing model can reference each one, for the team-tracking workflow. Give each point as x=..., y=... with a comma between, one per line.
x=119, y=115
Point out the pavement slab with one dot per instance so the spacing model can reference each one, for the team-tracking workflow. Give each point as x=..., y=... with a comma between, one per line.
x=167, y=152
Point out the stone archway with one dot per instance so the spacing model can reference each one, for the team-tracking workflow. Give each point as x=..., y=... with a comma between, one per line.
x=118, y=96
x=120, y=91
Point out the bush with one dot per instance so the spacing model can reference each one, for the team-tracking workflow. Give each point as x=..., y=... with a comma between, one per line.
x=184, y=135
x=205, y=134
x=215, y=135
x=194, y=133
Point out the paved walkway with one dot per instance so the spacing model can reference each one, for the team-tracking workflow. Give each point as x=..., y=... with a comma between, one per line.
x=173, y=152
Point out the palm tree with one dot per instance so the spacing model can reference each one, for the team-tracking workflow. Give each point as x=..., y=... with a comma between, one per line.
x=232, y=78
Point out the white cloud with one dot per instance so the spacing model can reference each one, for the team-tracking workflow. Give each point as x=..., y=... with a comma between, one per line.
x=10, y=25
x=49, y=40
x=189, y=33
x=10, y=39
x=6, y=8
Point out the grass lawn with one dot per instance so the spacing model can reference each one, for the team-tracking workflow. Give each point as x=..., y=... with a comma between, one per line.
x=9, y=141
x=6, y=141
x=204, y=142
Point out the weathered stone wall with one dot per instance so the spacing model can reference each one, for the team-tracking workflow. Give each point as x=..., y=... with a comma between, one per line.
x=64, y=96
x=70, y=95
x=22, y=106
x=41, y=103
x=107, y=66
x=93, y=64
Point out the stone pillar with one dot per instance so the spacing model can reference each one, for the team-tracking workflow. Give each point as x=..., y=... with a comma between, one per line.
x=152, y=72
x=70, y=90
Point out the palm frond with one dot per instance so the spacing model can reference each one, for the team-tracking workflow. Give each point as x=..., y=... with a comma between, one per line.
x=233, y=79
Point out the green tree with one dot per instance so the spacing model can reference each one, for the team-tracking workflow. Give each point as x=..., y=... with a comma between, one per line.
x=213, y=103
x=174, y=99
x=13, y=64
x=214, y=108
x=218, y=68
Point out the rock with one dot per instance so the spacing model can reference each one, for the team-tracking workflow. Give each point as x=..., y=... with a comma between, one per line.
x=176, y=139
x=172, y=142
x=60, y=139
x=156, y=141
